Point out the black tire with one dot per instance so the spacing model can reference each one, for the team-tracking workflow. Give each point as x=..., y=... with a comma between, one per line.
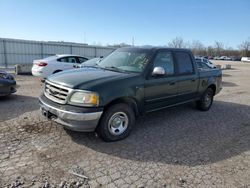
x=105, y=129
x=57, y=71
x=206, y=101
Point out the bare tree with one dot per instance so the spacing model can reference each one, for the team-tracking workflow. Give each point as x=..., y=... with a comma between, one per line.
x=210, y=51
x=219, y=48
x=119, y=45
x=229, y=51
x=245, y=47
x=177, y=42
x=198, y=48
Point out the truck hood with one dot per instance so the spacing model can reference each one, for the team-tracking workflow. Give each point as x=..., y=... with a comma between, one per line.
x=85, y=78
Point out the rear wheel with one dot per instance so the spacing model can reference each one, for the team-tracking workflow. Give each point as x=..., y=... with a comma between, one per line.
x=206, y=101
x=116, y=123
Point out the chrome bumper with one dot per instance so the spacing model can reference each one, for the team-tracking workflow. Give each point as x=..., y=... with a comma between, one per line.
x=85, y=122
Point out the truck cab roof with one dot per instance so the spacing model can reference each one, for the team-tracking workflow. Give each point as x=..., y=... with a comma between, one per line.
x=153, y=48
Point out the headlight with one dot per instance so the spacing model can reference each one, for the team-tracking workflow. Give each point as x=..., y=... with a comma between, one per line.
x=84, y=98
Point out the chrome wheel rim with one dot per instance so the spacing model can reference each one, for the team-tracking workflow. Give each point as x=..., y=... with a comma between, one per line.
x=118, y=123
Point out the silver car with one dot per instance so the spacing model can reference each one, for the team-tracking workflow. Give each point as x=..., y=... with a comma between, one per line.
x=202, y=60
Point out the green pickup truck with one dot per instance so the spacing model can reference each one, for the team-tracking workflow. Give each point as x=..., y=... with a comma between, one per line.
x=107, y=97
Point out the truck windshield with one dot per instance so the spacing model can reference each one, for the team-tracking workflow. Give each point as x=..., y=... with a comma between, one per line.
x=125, y=61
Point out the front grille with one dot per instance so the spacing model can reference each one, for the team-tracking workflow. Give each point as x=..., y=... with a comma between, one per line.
x=56, y=92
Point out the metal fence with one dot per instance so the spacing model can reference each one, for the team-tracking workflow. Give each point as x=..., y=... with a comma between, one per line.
x=15, y=51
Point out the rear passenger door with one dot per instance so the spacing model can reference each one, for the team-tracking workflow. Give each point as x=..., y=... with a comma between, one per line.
x=187, y=78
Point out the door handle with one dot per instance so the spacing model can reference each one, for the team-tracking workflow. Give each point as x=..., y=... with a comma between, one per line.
x=193, y=80
x=172, y=83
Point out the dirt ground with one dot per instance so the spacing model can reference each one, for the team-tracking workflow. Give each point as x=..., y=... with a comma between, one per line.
x=177, y=147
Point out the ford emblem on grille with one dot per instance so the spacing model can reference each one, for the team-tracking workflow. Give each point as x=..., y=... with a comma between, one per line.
x=53, y=92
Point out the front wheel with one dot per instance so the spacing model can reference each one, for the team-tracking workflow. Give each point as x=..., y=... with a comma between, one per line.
x=116, y=123
x=206, y=101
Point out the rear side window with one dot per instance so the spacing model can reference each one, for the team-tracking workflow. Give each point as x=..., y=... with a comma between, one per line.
x=64, y=59
x=184, y=63
x=68, y=60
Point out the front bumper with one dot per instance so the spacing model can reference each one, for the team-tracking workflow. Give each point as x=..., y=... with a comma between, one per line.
x=7, y=87
x=73, y=118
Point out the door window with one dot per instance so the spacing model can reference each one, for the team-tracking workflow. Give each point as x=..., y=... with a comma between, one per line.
x=68, y=60
x=71, y=60
x=166, y=61
x=81, y=59
x=64, y=59
x=184, y=62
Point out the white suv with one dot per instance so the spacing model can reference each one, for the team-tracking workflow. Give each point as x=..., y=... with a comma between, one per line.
x=53, y=64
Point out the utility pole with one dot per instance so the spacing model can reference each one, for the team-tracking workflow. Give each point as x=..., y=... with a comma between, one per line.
x=133, y=41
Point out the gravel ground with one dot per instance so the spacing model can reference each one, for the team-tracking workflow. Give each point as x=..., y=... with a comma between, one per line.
x=177, y=147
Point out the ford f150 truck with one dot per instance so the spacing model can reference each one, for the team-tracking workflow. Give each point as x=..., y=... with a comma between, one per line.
x=129, y=82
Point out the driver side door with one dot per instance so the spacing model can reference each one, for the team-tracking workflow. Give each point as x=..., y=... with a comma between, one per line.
x=161, y=91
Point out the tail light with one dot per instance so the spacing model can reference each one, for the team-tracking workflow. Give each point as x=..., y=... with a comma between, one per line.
x=41, y=64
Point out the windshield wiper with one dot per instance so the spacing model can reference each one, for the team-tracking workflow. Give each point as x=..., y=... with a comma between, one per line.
x=114, y=68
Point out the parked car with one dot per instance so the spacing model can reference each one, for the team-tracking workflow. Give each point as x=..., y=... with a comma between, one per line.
x=216, y=58
x=91, y=62
x=127, y=83
x=202, y=65
x=225, y=58
x=7, y=84
x=54, y=64
x=245, y=59
x=203, y=62
x=235, y=58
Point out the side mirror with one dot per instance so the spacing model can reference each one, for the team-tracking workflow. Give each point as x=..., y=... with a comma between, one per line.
x=158, y=71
